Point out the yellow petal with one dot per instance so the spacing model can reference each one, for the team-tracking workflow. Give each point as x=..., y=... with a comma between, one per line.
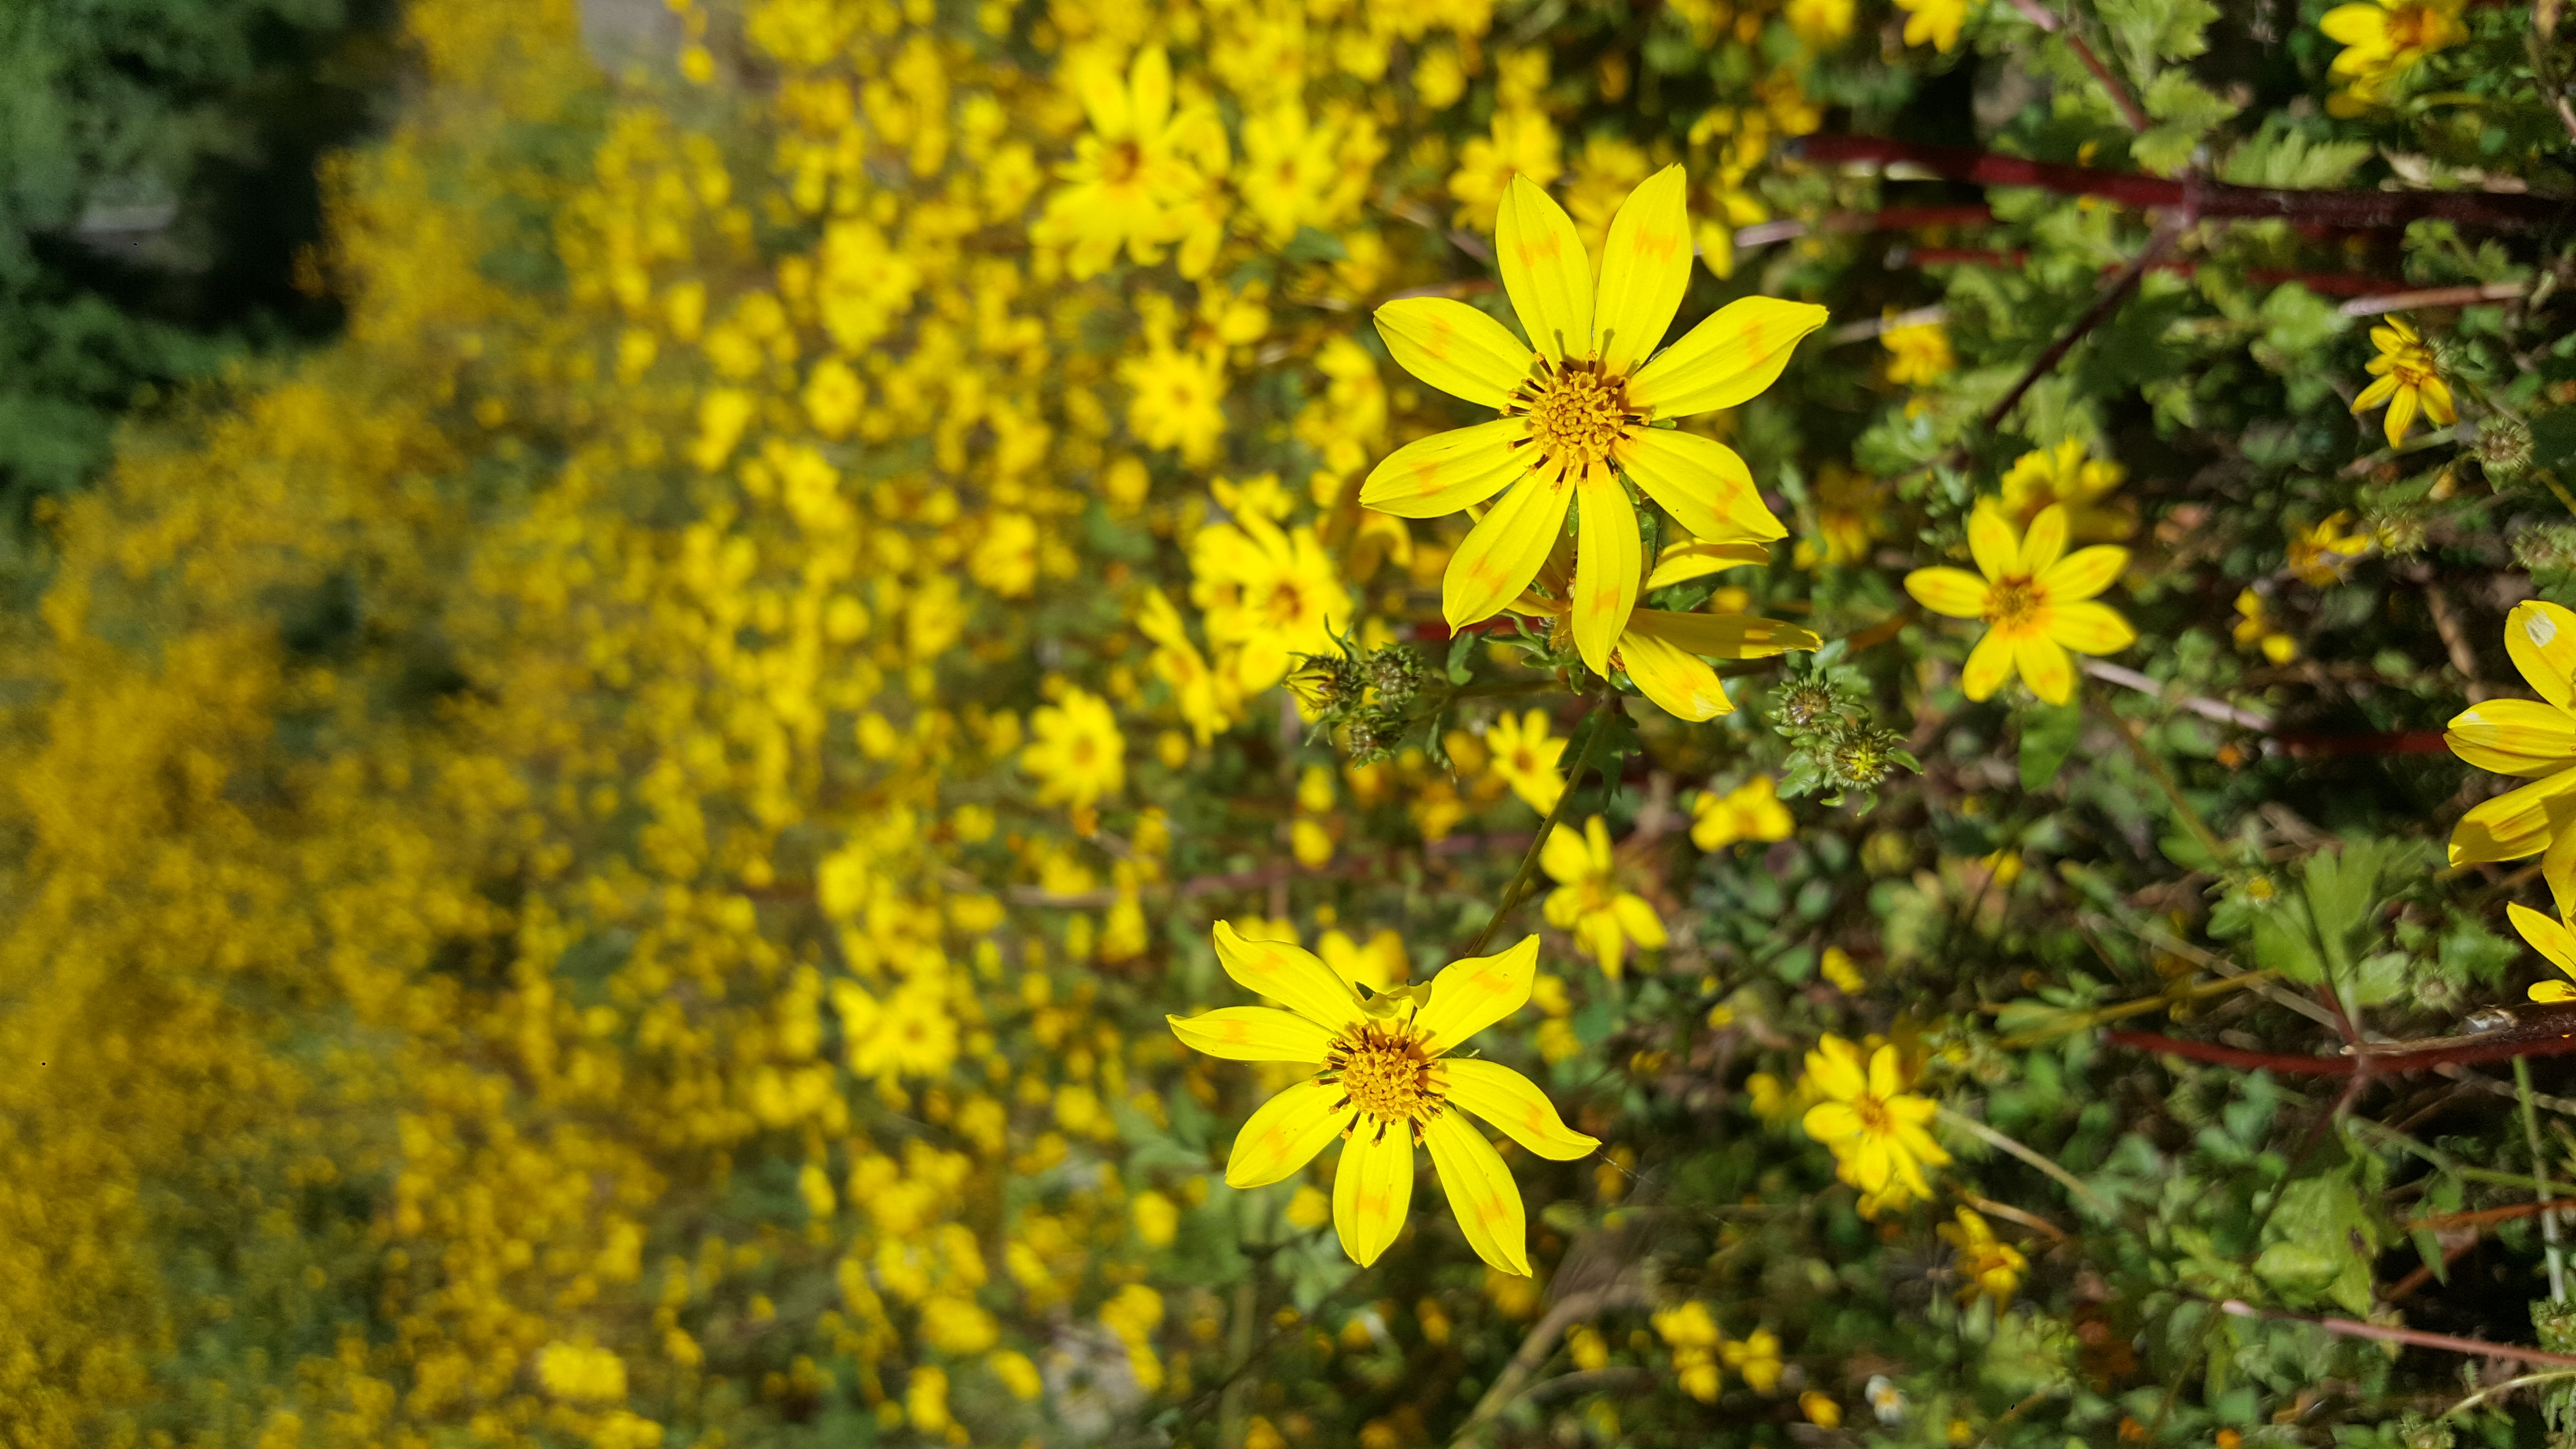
x=1608, y=565
x=1373, y=1188
x=2514, y=737
x=2517, y=823
x=1150, y=80
x=1989, y=668
x=1515, y=1105
x=2354, y=24
x=1286, y=1134
x=1639, y=920
x=2541, y=637
x=1564, y=857
x=1831, y=1122
x=2084, y=573
x=2401, y=415
x=2437, y=402
x=1443, y=473
x=1992, y=540
x=2550, y=938
x=2552, y=991
x=1290, y=976
x=1693, y=558
x=2045, y=667
x=1721, y=636
x=1455, y=348
x=1683, y=684
x=1503, y=551
x=2375, y=394
x=1701, y=482
x=1470, y=995
x=1884, y=1079
x=2558, y=870
x=2045, y=544
x=1645, y=269
x=2089, y=628
x=1955, y=592
x=1835, y=1067
x=1253, y=1034
x=1545, y=271
x=1481, y=1191
x=1725, y=360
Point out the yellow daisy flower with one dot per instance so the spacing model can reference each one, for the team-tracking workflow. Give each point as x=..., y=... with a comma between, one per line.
x=1873, y=1126
x=2408, y=380
x=1919, y=355
x=1384, y=1081
x=1987, y=1264
x=1079, y=754
x=2064, y=474
x=1752, y=811
x=1579, y=406
x=2382, y=40
x=2320, y=556
x=1588, y=900
x=2554, y=942
x=2254, y=630
x=1934, y=22
x=2533, y=738
x=2036, y=595
x=1526, y=758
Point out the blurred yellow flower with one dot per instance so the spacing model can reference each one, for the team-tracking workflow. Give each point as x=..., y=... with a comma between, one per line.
x=2064, y=475
x=1588, y=900
x=1820, y=1408
x=1756, y=1356
x=2319, y=556
x=1384, y=1081
x=1751, y=811
x=1918, y=355
x=1578, y=402
x=2382, y=40
x=1986, y=1264
x=1935, y=23
x=1079, y=754
x=2254, y=630
x=2035, y=596
x=2409, y=378
x=1525, y=757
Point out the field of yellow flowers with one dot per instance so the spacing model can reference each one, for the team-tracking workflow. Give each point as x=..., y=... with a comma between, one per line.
x=1273, y=724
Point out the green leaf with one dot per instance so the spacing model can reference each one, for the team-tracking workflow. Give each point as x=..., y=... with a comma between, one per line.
x=1460, y=644
x=2148, y=31
x=2279, y=156
x=2048, y=736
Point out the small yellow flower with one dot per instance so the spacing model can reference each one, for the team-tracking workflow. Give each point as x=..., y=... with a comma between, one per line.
x=1756, y=1356
x=1752, y=811
x=1873, y=1126
x=1588, y=900
x=1987, y=1265
x=1919, y=355
x=2409, y=379
x=2064, y=475
x=1839, y=968
x=2532, y=738
x=2320, y=556
x=1578, y=404
x=2036, y=596
x=2382, y=40
x=1525, y=758
x=1850, y=516
x=1078, y=755
x=1934, y=22
x=2254, y=630
x=1820, y=1409
x=1384, y=1081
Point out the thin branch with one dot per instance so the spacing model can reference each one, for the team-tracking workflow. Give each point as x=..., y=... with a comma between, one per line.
x=2000, y=1142
x=1539, y=1346
x=2415, y=1337
x=2433, y=297
x=2218, y=710
x=2103, y=306
x=2348, y=210
x=2041, y=16
x=2377, y=1063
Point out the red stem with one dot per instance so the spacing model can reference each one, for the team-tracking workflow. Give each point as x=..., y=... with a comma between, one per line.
x=2414, y=1336
x=2377, y=1063
x=2353, y=210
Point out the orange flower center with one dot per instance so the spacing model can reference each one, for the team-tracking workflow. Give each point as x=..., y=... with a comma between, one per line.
x=1875, y=1119
x=2414, y=27
x=1384, y=1072
x=2015, y=602
x=1120, y=161
x=1575, y=412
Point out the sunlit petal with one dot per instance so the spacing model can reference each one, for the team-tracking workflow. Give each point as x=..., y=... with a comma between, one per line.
x=1721, y=636
x=1645, y=269
x=1990, y=666
x=2045, y=544
x=1503, y=551
x=2090, y=628
x=2084, y=573
x=2541, y=638
x=2046, y=667
x=1545, y=271
x=1253, y=1034
x=1609, y=565
x=1373, y=1188
x=1725, y=360
x=2517, y=823
x=1292, y=977
x=1481, y=1191
x=1441, y=474
x=2514, y=736
x=1701, y=482
x=1992, y=541
x=1455, y=348
x=1955, y=592
x=1670, y=676
x=1285, y=1134
x=1515, y=1105
x=1470, y=995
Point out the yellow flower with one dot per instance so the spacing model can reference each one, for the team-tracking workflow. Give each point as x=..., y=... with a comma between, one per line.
x=1134, y=176
x=1935, y=22
x=1659, y=650
x=1757, y=1357
x=2063, y=475
x=1838, y=967
x=1588, y=901
x=1752, y=811
x=1819, y=24
x=1919, y=355
x=1989, y=1266
x=1177, y=399
x=1384, y=1080
x=2320, y=555
x=1078, y=755
x=1578, y=411
x=1849, y=518
x=1521, y=144
x=2534, y=738
x=1873, y=1126
x=1820, y=1408
x=1525, y=758
x=2036, y=596
x=2408, y=378
x=1269, y=594
x=1208, y=700
x=2555, y=943
x=2382, y=40
x=1380, y=965
x=2254, y=630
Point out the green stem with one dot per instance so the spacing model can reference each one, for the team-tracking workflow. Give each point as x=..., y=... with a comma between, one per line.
x=2065, y=1179
x=2155, y=768
x=2540, y=1171
x=1538, y=843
